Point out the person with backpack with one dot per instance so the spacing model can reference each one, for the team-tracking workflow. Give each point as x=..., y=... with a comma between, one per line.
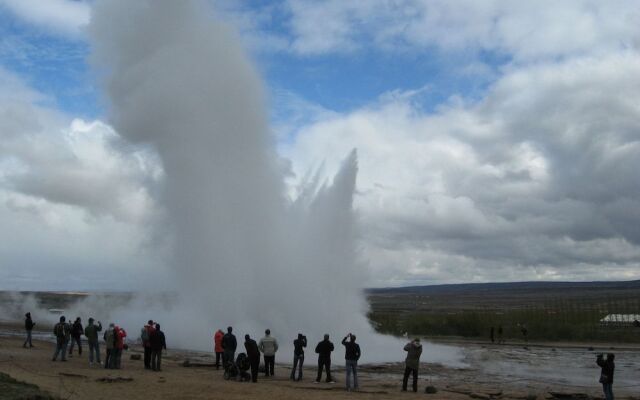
x=298, y=356
x=145, y=335
x=76, y=334
x=412, y=363
x=110, y=344
x=158, y=342
x=62, y=332
x=91, y=332
x=28, y=326
x=351, y=357
x=268, y=347
x=324, y=349
x=229, y=345
x=217, y=343
x=606, y=374
x=253, y=353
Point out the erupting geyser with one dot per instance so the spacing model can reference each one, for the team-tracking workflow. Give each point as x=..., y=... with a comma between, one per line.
x=242, y=253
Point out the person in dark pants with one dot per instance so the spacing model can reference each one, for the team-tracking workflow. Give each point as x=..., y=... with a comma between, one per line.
x=412, y=363
x=158, y=343
x=217, y=342
x=145, y=335
x=76, y=333
x=62, y=332
x=91, y=332
x=253, y=354
x=324, y=350
x=491, y=334
x=28, y=326
x=351, y=357
x=268, y=346
x=229, y=345
x=298, y=356
x=606, y=375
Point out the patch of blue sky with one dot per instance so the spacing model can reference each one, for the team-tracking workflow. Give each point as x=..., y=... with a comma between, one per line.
x=53, y=65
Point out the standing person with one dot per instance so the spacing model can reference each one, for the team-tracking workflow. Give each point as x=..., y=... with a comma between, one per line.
x=217, y=343
x=525, y=332
x=110, y=344
x=491, y=334
x=145, y=335
x=119, y=334
x=268, y=346
x=298, y=356
x=324, y=349
x=351, y=357
x=500, y=339
x=412, y=363
x=253, y=353
x=76, y=334
x=62, y=331
x=91, y=332
x=28, y=326
x=158, y=343
x=229, y=344
x=606, y=375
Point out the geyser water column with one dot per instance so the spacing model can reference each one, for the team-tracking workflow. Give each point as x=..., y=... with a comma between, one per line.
x=242, y=253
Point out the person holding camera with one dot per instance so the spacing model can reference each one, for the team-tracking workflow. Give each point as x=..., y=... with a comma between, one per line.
x=606, y=375
x=351, y=357
x=412, y=363
x=298, y=356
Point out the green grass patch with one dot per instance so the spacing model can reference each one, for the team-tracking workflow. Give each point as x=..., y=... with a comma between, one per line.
x=11, y=389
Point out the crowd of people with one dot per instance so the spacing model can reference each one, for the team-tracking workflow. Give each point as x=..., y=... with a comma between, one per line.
x=153, y=340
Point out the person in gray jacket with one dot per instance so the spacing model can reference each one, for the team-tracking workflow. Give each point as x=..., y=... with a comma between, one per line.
x=412, y=363
x=110, y=344
x=268, y=346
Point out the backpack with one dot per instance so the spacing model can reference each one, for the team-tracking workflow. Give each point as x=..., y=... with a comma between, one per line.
x=144, y=334
x=59, y=330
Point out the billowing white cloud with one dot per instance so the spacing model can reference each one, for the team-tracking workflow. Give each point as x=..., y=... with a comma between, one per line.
x=75, y=201
x=66, y=17
x=537, y=177
x=524, y=30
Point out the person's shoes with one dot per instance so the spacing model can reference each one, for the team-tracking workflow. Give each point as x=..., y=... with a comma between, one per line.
x=331, y=381
x=313, y=381
x=403, y=390
x=53, y=359
x=64, y=359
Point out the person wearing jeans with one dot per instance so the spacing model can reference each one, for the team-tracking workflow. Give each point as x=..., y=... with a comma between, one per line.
x=28, y=326
x=91, y=332
x=298, y=356
x=606, y=375
x=351, y=357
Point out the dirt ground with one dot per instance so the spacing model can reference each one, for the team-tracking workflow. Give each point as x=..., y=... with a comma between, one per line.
x=75, y=379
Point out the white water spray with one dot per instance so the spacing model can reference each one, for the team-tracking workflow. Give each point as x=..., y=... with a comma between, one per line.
x=242, y=254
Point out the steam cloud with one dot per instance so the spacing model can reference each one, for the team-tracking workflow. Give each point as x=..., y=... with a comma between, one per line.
x=242, y=253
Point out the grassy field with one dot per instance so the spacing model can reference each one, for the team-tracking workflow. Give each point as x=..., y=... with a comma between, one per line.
x=11, y=389
x=549, y=313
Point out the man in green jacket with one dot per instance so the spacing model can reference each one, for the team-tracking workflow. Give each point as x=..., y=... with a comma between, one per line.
x=412, y=362
x=91, y=332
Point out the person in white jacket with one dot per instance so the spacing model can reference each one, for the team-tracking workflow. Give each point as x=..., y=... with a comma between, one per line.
x=268, y=346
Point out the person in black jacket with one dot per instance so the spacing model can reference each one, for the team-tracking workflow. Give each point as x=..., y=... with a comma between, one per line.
x=351, y=357
x=229, y=345
x=298, y=356
x=606, y=375
x=324, y=350
x=76, y=332
x=253, y=354
x=28, y=326
x=158, y=343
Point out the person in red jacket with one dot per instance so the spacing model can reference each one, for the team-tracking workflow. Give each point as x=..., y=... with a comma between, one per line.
x=120, y=334
x=217, y=340
x=145, y=335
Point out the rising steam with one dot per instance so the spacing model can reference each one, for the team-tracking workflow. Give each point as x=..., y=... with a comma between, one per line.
x=241, y=252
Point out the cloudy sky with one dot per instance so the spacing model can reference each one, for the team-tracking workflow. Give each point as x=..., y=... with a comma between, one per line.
x=497, y=140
